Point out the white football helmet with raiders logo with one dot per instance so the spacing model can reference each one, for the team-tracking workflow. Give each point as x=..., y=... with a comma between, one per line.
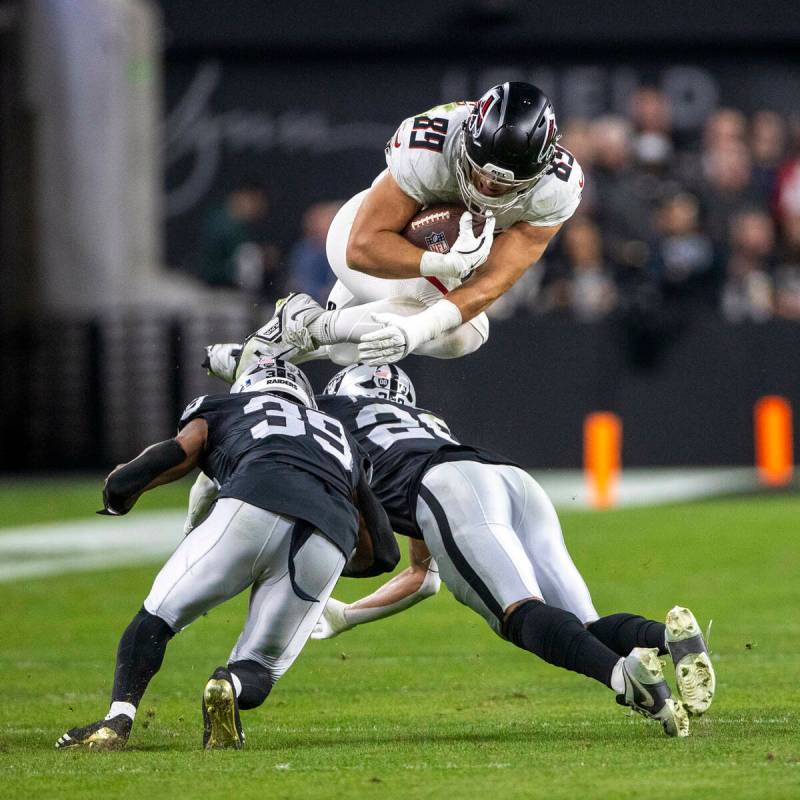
x=275, y=376
x=387, y=381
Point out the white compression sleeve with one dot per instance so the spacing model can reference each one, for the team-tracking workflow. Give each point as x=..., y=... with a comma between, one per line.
x=441, y=317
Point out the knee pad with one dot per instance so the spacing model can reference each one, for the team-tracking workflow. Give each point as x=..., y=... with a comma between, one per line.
x=256, y=682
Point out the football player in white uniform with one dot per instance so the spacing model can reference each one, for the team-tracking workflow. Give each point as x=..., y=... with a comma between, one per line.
x=499, y=157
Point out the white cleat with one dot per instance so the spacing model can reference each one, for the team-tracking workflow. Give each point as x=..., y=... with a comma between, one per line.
x=694, y=673
x=647, y=693
x=286, y=335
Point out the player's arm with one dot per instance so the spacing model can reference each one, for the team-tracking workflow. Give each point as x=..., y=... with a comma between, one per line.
x=512, y=254
x=376, y=551
x=375, y=246
x=160, y=463
x=418, y=581
x=519, y=248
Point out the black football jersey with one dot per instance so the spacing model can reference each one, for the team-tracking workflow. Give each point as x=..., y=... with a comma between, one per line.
x=401, y=443
x=283, y=457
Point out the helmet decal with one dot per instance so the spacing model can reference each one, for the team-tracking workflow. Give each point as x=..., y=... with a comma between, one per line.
x=387, y=382
x=482, y=108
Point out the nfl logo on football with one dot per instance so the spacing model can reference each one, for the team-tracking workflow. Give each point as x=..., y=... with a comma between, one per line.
x=437, y=242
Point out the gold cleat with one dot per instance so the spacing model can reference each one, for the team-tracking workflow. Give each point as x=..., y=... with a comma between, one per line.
x=103, y=736
x=222, y=729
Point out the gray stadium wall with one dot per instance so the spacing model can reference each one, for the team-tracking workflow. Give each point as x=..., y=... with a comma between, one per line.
x=119, y=385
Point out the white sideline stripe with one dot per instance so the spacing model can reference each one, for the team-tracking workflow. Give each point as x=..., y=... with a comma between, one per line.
x=98, y=543
x=95, y=543
x=649, y=487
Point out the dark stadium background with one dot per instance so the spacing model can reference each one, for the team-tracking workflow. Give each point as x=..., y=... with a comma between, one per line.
x=103, y=317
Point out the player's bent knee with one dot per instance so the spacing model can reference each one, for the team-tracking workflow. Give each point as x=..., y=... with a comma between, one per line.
x=256, y=682
x=462, y=341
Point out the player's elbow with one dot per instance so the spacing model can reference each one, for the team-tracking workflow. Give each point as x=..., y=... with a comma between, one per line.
x=358, y=252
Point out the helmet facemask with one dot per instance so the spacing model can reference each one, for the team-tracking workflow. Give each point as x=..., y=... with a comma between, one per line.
x=517, y=189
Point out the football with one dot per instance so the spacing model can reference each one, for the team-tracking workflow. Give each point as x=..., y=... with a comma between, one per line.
x=435, y=228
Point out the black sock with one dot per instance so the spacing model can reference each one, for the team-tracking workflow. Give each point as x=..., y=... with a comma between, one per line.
x=139, y=656
x=558, y=637
x=256, y=682
x=622, y=632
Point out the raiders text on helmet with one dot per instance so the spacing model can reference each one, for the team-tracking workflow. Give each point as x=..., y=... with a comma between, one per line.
x=507, y=143
x=386, y=381
x=275, y=376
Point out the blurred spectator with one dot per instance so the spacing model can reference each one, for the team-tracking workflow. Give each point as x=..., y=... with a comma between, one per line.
x=583, y=285
x=725, y=126
x=683, y=256
x=622, y=213
x=309, y=270
x=747, y=293
x=787, y=275
x=768, y=137
x=232, y=254
x=787, y=188
x=578, y=139
x=728, y=186
x=651, y=115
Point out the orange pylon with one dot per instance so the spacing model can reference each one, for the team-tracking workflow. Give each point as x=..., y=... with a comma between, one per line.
x=772, y=417
x=602, y=460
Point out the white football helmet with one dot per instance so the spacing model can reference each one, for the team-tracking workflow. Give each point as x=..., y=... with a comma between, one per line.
x=386, y=381
x=276, y=376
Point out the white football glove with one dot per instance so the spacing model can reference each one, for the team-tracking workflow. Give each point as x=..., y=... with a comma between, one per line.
x=332, y=622
x=387, y=344
x=467, y=253
x=400, y=336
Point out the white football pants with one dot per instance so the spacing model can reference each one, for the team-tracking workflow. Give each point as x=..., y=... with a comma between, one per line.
x=404, y=297
x=236, y=546
x=497, y=540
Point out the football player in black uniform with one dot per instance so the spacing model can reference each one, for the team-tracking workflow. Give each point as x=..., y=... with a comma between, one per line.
x=496, y=539
x=291, y=482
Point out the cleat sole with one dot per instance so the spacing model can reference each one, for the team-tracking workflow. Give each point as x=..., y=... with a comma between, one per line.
x=696, y=682
x=694, y=673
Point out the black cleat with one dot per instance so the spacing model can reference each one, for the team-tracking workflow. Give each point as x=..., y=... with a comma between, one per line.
x=222, y=728
x=103, y=735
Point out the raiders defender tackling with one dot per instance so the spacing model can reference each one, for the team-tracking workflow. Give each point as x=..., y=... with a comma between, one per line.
x=496, y=539
x=500, y=157
x=285, y=522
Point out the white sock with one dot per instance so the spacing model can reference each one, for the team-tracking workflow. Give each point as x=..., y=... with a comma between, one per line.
x=237, y=684
x=117, y=708
x=350, y=324
x=617, y=679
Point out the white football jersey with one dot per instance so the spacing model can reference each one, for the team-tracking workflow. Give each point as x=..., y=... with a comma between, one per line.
x=422, y=155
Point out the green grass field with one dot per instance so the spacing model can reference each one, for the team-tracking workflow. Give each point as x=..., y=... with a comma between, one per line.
x=429, y=703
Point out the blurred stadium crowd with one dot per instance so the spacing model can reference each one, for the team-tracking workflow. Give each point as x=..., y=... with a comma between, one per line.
x=671, y=226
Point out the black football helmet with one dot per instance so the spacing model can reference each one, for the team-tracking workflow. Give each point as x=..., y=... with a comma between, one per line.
x=507, y=143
